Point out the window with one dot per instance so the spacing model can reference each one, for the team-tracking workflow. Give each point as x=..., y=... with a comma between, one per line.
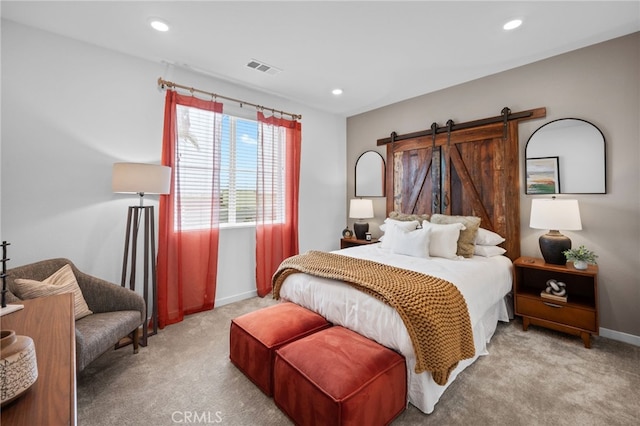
x=235, y=181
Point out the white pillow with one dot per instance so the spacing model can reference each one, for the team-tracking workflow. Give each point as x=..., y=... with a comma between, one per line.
x=489, y=251
x=387, y=228
x=411, y=243
x=443, y=240
x=484, y=237
x=409, y=225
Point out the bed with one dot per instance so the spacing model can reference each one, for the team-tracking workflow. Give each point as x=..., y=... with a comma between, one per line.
x=455, y=171
x=483, y=281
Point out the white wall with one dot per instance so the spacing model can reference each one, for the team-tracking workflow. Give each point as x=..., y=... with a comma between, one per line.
x=70, y=110
x=599, y=84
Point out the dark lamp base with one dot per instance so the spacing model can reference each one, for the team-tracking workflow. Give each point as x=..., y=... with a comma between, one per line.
x=552, y=246
x=361, y=228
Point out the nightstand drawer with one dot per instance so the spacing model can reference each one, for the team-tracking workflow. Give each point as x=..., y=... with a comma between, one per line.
x=571, y=315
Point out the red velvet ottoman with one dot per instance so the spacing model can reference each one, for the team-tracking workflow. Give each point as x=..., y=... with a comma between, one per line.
x=338, y=377
x=255, y=336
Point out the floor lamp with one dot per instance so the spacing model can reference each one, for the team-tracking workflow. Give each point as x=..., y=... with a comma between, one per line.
x=141, y=179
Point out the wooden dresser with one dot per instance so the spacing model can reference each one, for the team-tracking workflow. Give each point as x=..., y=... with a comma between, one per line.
x=51, y=401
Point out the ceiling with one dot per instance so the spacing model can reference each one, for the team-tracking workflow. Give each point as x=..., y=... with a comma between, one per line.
x=377, y=52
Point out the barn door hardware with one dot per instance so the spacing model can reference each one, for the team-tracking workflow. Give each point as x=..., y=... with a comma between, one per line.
x=502, y=118
x=445, y=197
x=435, y=170
x=505, y=120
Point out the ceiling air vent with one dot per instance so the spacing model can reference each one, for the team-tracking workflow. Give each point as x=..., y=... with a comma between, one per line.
x=261, y=66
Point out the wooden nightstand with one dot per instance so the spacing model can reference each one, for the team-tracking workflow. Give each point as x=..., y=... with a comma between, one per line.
x=351, y=242
x=578, y=315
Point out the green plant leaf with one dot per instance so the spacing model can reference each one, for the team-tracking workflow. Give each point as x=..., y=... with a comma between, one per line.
x=580, y=253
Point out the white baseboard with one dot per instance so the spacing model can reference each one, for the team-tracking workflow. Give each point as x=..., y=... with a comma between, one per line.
x=236, y=298
x=620, y=336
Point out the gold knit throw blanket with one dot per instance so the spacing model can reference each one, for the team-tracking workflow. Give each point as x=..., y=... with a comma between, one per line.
x=433, y=310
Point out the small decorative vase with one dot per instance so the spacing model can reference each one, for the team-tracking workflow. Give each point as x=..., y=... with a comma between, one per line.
x=580, y=264
x=18, y=367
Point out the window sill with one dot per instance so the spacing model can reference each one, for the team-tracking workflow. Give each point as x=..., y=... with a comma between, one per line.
x=237, y=225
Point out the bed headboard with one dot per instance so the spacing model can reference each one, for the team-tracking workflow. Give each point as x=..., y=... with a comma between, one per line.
x=469, y=169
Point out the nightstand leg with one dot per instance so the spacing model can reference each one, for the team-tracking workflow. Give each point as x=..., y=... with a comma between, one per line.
x=525, y=323
x=586, y=339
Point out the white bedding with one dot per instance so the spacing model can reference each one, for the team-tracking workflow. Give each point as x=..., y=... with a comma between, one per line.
x=483, y=281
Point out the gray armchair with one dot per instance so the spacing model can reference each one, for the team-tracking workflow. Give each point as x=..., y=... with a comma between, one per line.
x=117, y=311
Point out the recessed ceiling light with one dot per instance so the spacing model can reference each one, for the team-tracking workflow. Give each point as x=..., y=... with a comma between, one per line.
x=337, y=92
x=511, y=25
x=159, y=25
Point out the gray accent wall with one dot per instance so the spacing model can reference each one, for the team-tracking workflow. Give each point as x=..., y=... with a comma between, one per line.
x=600, y=84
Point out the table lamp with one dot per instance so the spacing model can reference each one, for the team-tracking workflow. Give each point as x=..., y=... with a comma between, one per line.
x=554, y=215
x=361, y=209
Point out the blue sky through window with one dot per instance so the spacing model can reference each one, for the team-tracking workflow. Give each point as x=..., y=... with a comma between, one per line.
x=245, y=136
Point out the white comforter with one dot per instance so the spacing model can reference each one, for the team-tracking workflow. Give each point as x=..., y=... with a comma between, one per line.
x=482, y=281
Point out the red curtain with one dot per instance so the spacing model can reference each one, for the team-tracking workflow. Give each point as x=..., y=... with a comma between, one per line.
x=276, y=237
x=187, y=259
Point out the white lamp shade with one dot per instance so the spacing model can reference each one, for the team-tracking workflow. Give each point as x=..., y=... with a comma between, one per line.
x=135, y=178
x=555, y=215
x=361, y=209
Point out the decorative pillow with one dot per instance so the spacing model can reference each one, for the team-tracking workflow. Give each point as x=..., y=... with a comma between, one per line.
x=404, y=217
x=443, y=241
x=467, y=238
x=62, y=281
x=409, y=225
x=484, y=237
x=386, y=227
x=411, y=243
x=489, y=251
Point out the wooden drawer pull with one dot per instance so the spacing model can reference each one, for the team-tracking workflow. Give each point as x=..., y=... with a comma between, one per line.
x=553, y=305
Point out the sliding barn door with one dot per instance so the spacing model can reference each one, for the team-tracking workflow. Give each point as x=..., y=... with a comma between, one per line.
x=413, y=180
x=482, y=177
x=469, y=172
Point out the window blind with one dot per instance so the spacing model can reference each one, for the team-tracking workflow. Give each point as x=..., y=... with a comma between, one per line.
x=227, y=194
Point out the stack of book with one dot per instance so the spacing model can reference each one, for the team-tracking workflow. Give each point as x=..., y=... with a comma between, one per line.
x=553, y=297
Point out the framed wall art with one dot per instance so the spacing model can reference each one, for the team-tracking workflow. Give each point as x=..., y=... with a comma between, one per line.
x=543, y=176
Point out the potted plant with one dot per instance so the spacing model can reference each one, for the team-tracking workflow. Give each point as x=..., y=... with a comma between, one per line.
x=580, y=257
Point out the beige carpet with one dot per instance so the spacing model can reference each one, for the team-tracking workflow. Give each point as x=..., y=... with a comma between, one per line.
x=538, y=377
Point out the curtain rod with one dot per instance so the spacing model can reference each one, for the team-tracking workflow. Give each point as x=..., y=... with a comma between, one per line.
x=169, y=84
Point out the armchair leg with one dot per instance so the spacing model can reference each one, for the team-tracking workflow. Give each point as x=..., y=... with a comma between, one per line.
x=132, y=338
x=136, y=340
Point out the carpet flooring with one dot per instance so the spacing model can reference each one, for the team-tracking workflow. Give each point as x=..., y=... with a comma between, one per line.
x=538, y=377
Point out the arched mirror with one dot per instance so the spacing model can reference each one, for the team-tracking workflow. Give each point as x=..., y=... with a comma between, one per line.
x=370, y=172
x=566, y=156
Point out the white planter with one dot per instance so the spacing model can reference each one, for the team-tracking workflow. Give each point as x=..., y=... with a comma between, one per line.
x=580, y=264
